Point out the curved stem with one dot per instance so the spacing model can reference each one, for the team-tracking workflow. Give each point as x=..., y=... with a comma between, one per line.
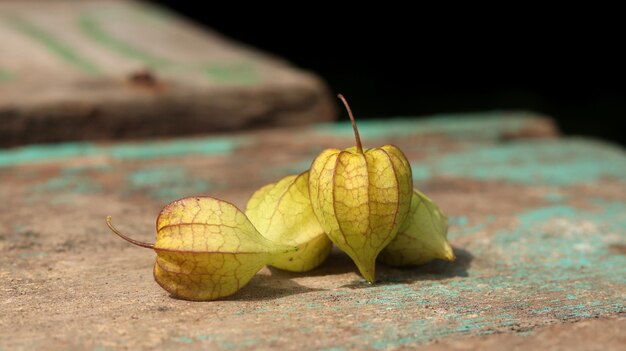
x=359, y=147
x=123, y=236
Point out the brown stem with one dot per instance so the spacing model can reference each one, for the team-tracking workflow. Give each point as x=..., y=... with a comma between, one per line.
x=123, y=236
x=359, y=147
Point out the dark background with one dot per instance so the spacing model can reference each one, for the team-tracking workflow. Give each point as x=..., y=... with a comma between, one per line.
x=399, y=63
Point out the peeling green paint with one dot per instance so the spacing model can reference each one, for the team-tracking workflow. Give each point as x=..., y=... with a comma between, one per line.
x=564, y=238
x=489, y=125
x=126, y=151
x=178, y=147
x=72, y=184
x=53, y=44
x=542, y=255
x=425, y=330
x=241, y=73
x=63, y=187
x=91, y=27
x=33, y=153
x=543, y=267
x=460, y=226
x=167, y=182
x=555, y=197
x=571, y=297
x=541, y=162
x=184, y=339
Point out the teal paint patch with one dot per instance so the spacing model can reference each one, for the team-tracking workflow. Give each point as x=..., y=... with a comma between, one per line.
x=167, y=182
x=426, y=330
x=70, y=183
x=540, y=162
x=556, y=251
x=460, y=226
x=555, y=197
x=441, y=290
x=313, y=306
x=53, y=44
x=127, y=151
x=542, y=310
x=544, y=214
x=34, y=153
x=234, y=345
x=564, y=238
x=421, y=174
x=366, y=325
x=184, y=340
x=64, y=186
x=458, y=220
x=205, y=146
x=489, y=125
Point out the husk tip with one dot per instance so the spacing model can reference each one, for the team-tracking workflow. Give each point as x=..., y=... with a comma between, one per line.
x=368, y=273
x=448, y=253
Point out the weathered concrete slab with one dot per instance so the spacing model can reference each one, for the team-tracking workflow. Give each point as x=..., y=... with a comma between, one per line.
x=538, y=225
x=83, y=70
x=589, y=335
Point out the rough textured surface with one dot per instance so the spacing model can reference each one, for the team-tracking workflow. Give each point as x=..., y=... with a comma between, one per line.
x=82, y=70
x=590, y=335
x=538, y=226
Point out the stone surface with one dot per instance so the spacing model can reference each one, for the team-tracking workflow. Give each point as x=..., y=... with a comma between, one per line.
x=589, y=335
x=538, y=226
x=84, y=70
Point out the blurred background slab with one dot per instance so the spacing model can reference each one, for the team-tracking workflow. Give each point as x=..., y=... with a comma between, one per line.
x=394, y=60
x=83, y=70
